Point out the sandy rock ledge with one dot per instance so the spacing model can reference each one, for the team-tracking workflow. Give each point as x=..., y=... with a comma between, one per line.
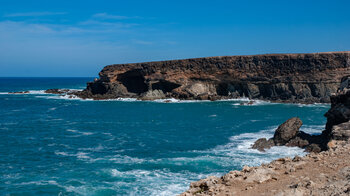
x=324, y=173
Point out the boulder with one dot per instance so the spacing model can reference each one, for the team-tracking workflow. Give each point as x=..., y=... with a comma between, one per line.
x=287, y=131
x=297, y=141
x=262, y=144
x=341, y=131
x=153, y=94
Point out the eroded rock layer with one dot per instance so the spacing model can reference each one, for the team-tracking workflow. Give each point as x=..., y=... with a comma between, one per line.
x=278, y=77
x=322, y=174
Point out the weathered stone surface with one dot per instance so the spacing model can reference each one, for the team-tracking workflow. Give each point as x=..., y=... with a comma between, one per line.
x=341, y=131
x=56, y=91
x=287, y=131
x=323, y=172
x=288, y=134
x=305, y=78
x=262, y=144
x=153, y=94
x=19, y=92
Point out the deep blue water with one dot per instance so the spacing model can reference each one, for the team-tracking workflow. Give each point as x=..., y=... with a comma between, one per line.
x=52, y=145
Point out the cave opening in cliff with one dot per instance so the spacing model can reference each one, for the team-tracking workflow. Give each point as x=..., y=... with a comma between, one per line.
x=134, y=81
x=222, y=89
x=97, y=88
x=165, y=86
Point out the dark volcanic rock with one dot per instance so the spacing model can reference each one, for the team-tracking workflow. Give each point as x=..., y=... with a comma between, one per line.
x=340, y=108
x=341, y=131
x=19, y=92
x=57, y=91
x=305, y=78
x=287, y=131
x=262, y=144
x=288, y=134
x=337, y=127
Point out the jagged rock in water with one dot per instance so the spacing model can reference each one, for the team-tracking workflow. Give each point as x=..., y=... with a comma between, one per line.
x=262, y=144
x=288, y=134
x=19, y=92
x=287, y=131
x=305, y=78
x=56, y=91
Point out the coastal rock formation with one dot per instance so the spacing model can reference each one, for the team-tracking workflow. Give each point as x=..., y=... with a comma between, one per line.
x=57, y=91
x=19, y=92
x=324, y=173
x=288, y=134
x=301, y=78
x=337, y=127
x=287, y=131
x=340, y=106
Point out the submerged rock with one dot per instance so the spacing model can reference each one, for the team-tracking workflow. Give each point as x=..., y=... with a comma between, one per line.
x=19, y=92
x=57, y=91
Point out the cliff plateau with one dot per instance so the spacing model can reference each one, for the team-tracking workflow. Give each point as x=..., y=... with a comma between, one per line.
x=304, y=78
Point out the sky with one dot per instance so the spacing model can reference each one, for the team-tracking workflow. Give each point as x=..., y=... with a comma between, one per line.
x=73, y=38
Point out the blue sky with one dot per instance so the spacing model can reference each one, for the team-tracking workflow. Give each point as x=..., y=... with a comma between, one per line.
x=78, y=38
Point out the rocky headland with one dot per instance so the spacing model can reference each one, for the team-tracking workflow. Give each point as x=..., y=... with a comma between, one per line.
x=301, y=78
x=325, y=171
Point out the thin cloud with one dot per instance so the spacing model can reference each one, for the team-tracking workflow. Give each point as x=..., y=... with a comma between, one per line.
x=142, y=42
x=115, y=17
x=33, y=14
x=108, y=24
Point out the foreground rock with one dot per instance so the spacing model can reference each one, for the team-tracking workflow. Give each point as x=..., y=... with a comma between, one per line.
x=326, y=173
x=288, y=134
x=302, y=78
x=287, y=131
x=320, y=174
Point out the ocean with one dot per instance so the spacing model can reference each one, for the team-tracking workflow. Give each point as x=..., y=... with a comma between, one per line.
x=52, y=145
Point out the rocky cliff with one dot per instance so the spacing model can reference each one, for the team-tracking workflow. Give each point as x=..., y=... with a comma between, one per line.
x=278, y=77
x=323, y=173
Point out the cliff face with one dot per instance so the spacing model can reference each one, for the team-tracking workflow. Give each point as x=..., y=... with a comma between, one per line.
x=279, y=77
x=324, y=173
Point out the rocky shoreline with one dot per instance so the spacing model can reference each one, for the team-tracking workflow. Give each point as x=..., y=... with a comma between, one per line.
x=293, y=78
x=325, y=171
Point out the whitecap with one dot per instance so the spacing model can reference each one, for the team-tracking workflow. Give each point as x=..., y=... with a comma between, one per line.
x=79, y=155
x=80, y=133
x=155, y=182
x=93, y=149
x=312, y=129
x=317, y=105
x=238, y=152
x=37, y=92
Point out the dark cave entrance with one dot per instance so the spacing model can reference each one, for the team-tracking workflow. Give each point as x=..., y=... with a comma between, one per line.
x=134, y=81
x=222, y=89
x=97, y=88
x=165, y=86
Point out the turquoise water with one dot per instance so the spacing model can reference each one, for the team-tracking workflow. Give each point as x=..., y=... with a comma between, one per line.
x=53, y=145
